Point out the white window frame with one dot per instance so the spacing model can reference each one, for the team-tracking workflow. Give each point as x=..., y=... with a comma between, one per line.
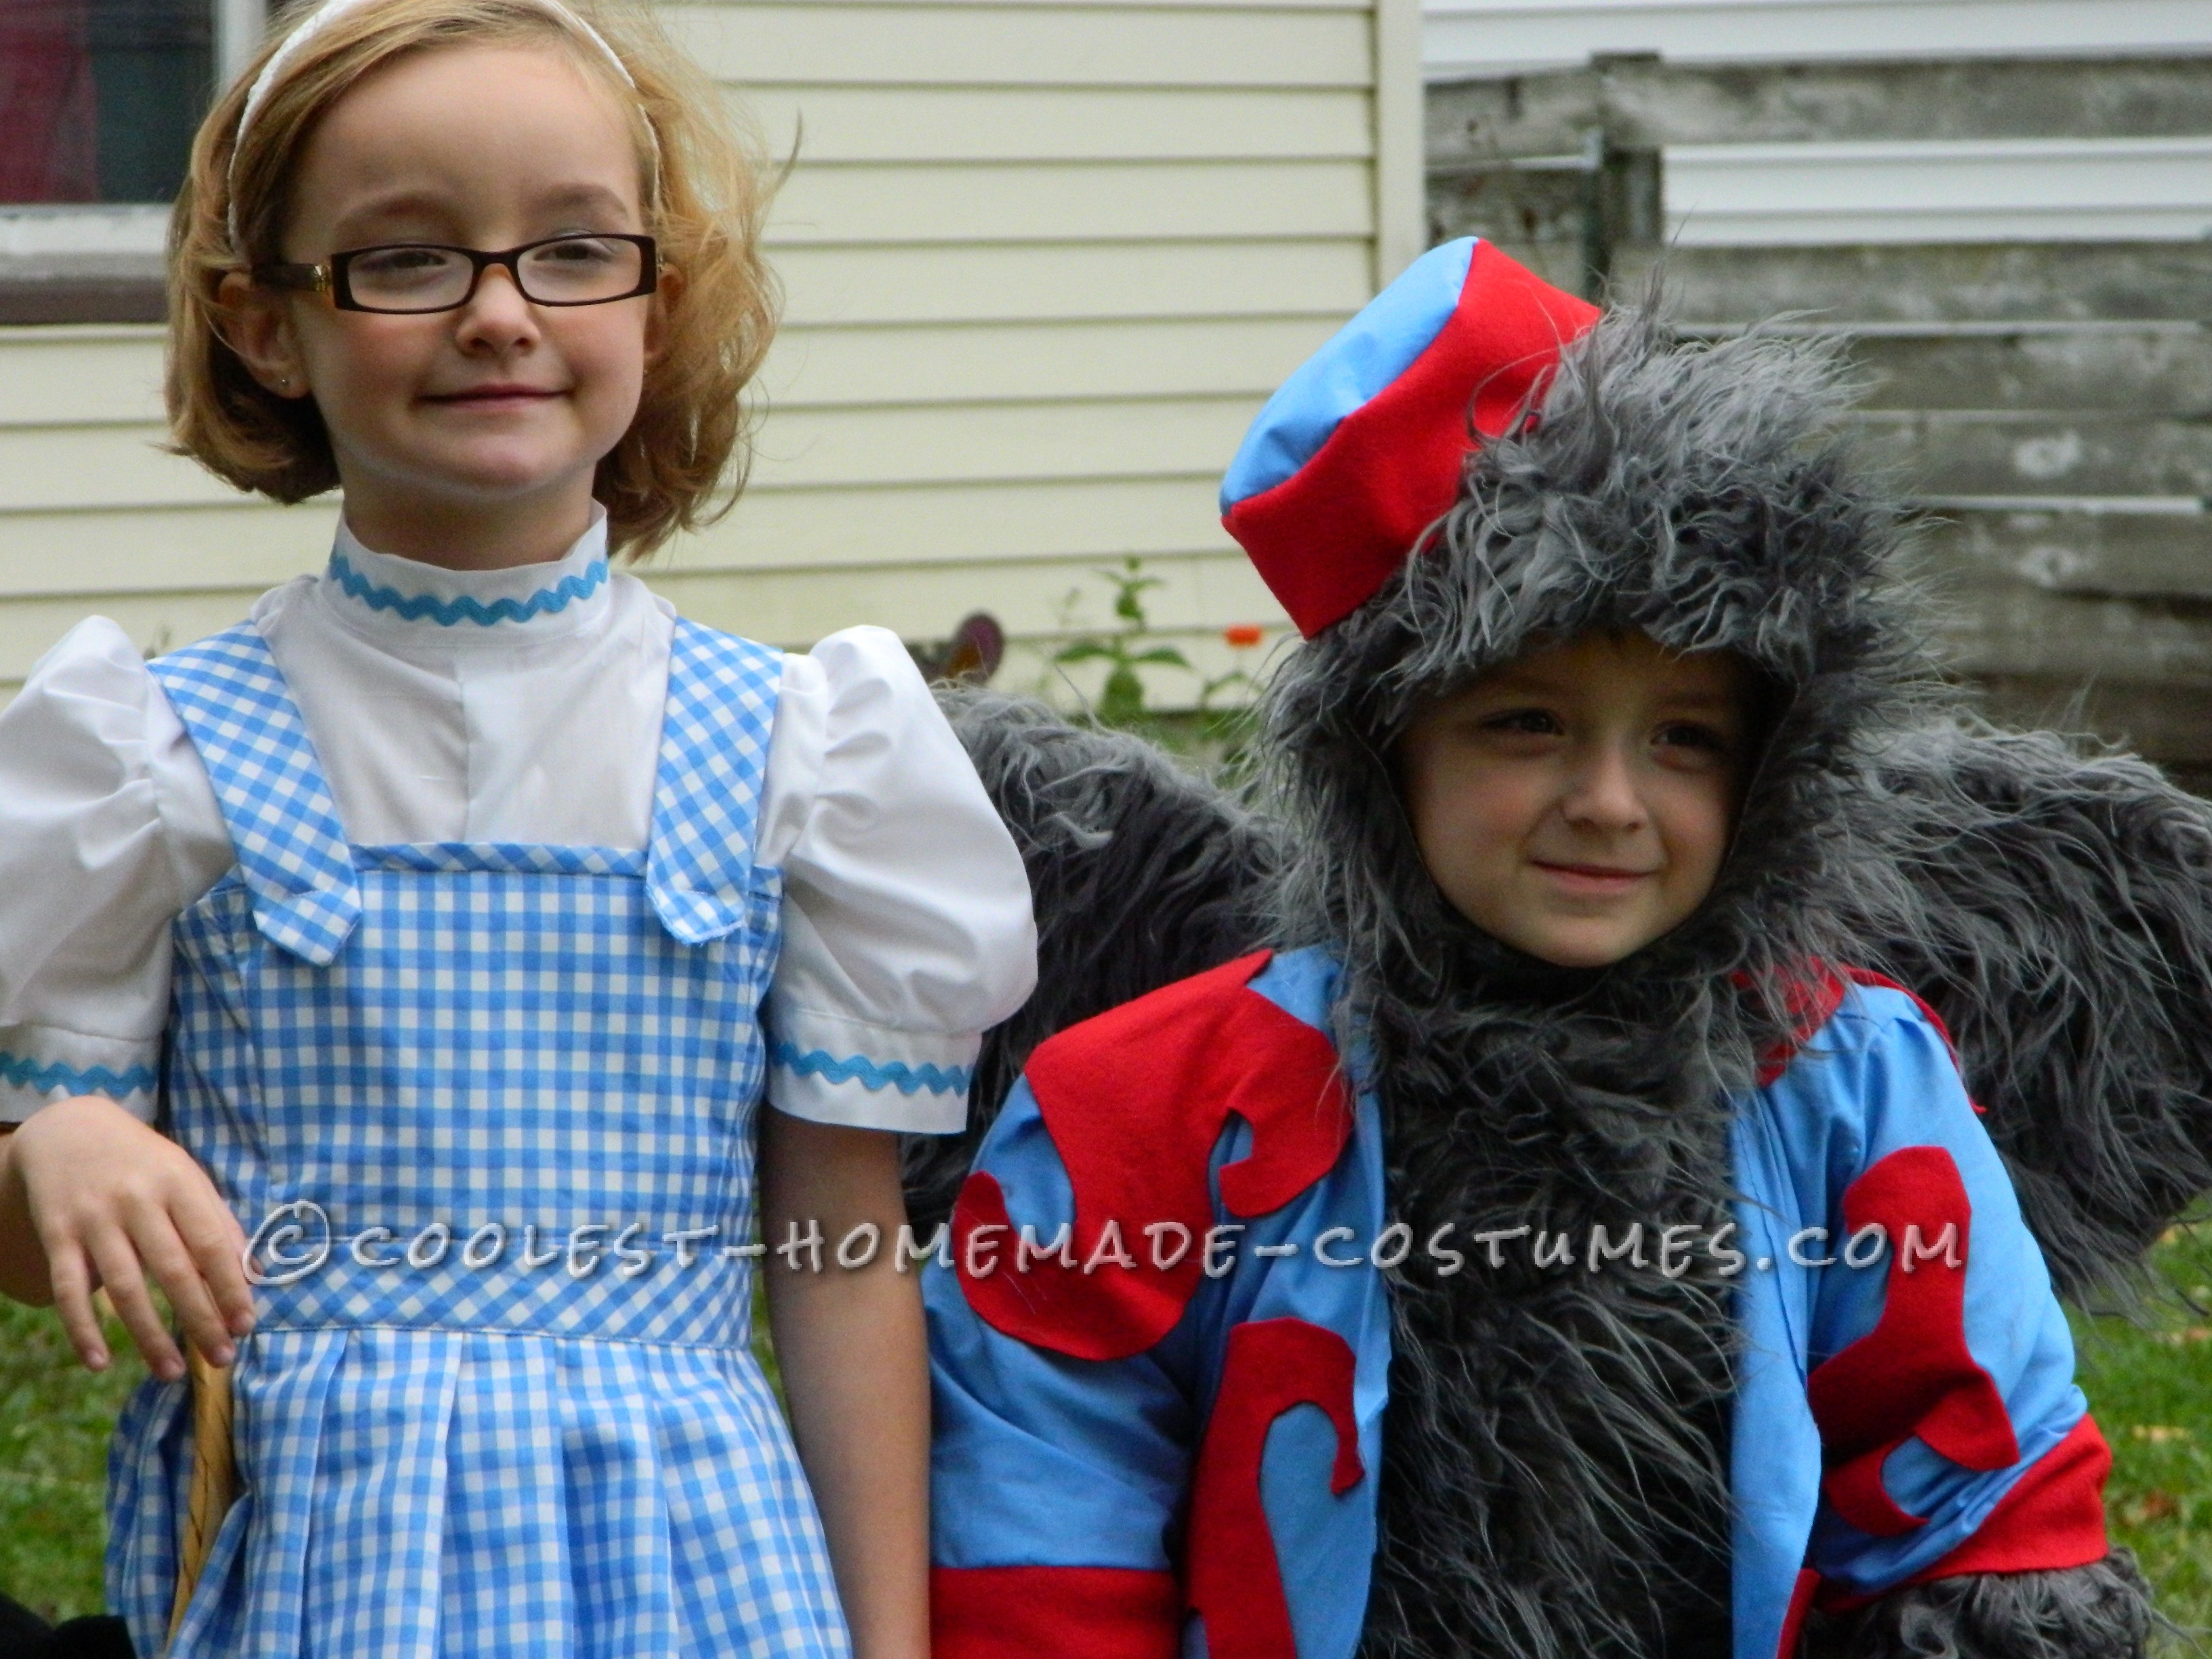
x=48, y=241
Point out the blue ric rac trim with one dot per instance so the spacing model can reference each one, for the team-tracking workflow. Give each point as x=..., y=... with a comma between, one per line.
x=452, y=613
x=907, y=1079
x=22, y=1071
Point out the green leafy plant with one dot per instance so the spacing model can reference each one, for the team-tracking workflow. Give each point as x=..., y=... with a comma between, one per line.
x=1121, y=699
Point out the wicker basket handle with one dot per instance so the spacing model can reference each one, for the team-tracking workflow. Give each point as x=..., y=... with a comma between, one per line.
x=215, y=1477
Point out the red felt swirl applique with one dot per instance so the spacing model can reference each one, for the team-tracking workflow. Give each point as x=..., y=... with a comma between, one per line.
x=1235, y=1578
x=1135, y=1102
x=1913, y=1375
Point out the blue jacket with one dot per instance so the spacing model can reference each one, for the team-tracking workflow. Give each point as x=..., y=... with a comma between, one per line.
x=1141, y=1455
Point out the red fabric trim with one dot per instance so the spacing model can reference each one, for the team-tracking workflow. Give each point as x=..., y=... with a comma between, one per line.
x=1811, y=1000
x=1882, y=982
x=1271, y=1366
x=1329, y=535
x=1913, y=1374
x=1135, y=1102
x=1793, y=1621
x=2052, y=1518
x=1071, y=1612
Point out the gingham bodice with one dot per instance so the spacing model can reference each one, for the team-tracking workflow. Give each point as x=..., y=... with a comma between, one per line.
x=487, y=1113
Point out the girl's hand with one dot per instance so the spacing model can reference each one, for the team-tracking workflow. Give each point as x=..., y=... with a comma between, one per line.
x=106, y=1200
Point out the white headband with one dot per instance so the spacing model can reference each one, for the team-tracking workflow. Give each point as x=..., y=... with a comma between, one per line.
x=329, y=12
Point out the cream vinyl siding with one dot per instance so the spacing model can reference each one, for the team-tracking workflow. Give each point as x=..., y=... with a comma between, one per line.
x=1043, y=263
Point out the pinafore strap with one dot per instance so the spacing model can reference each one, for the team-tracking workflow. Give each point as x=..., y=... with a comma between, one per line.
x=713, y=761
x=292, y=851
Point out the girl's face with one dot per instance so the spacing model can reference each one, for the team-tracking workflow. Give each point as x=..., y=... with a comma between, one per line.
x=1576, y=804
x=466, y=436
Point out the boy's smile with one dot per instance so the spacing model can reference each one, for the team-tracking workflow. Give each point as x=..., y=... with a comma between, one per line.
x=1576, y=804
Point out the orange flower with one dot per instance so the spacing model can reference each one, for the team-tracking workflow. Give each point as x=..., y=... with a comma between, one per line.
x=1242, y=635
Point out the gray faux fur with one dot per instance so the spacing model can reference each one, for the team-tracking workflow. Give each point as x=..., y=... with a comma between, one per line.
x=1554, y=1474
x=2100, y=1612
x=1142, y=874
x=2062, y=925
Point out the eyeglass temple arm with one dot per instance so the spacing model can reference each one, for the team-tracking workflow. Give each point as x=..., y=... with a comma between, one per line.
x=315, y=278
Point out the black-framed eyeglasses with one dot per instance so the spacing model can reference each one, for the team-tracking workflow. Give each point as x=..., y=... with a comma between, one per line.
x=409, y=277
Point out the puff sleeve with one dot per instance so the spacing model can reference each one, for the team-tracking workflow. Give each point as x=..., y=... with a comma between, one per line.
x=907, y=931
x=108, y=828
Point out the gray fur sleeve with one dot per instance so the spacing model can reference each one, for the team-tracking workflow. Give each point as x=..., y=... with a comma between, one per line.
x=1141, y=874
x=2101, y=1611
x=2059, y=918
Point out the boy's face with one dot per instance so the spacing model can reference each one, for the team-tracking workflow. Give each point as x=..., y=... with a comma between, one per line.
x=1576, y=804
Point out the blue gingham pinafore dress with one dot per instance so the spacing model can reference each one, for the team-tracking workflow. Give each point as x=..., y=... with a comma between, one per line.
x=487, y=1111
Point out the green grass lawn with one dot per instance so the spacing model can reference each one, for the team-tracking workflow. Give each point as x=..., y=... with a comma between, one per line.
x=2150, y=1383
x=54, y=1421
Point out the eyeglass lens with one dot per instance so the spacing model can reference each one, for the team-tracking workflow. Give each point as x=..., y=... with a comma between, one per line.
x=570, y=271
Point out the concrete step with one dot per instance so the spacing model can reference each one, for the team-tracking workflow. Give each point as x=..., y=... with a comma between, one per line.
x=2137, y=369
x=2170, y=724
x=2099, y=621
x=2123, y=550
x=1644, y=102
x=1966, y=453
x=2125, y=367
x=1997, y=627
x=2066, y=639
x=2038, y=283
x=2001, y=631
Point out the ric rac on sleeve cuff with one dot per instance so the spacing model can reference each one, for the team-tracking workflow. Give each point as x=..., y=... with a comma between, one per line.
x=39, y=1065
x=828, y=1070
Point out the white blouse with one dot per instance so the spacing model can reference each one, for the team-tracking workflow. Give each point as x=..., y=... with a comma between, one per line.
x=522, y=705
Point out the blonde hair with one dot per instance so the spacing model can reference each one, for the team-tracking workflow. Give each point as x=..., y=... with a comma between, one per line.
x=705, y=187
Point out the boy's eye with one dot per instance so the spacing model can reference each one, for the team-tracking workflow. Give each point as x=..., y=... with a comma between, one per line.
x=1521, y=722
x=1694, y=739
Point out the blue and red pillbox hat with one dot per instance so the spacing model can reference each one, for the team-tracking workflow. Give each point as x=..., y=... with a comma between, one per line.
x=1362, y=448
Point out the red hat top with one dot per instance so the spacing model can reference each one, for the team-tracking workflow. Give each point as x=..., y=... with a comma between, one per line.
x=1361, y=449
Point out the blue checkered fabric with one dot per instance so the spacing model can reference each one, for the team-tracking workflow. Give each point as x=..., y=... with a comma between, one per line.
x=500, y=1401
x=283, y=824
x=701, y=859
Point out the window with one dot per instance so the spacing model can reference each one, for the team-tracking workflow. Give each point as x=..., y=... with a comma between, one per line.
x=100, y=96
x=99, y=100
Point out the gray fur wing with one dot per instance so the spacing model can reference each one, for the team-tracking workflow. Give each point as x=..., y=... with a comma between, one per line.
x=2060, y=920
x=1142, y=874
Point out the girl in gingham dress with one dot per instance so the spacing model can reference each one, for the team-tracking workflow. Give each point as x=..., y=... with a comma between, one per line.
x=395, y=979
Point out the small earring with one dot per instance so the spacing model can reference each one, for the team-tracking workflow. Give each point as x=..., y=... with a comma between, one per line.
x=283, y=383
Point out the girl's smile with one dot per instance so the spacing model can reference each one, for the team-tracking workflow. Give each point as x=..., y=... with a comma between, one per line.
x=1578, y=803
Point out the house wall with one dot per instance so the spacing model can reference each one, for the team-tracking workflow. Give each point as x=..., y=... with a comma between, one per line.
x=1042, y=262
